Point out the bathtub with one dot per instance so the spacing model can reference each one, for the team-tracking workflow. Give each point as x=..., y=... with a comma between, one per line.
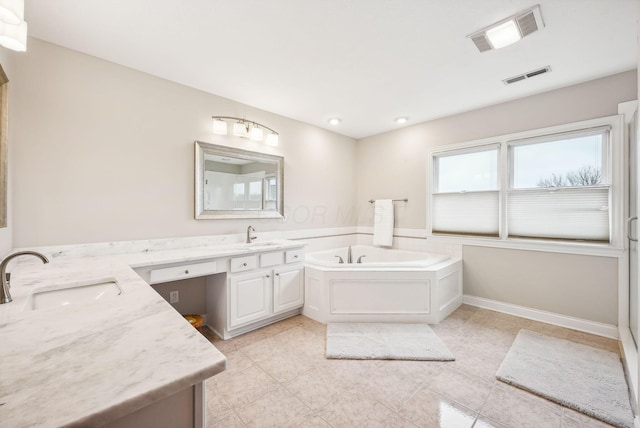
x=387, y=286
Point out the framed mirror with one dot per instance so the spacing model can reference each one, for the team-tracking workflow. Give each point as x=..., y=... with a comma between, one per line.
x=235, y=183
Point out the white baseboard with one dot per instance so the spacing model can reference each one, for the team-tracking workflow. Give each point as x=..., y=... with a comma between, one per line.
x=593, y=327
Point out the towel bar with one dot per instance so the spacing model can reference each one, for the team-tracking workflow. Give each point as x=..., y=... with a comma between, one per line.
x=394, y=200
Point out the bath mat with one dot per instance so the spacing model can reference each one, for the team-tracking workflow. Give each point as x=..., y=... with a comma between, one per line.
x=385, y=341
x=577, y=376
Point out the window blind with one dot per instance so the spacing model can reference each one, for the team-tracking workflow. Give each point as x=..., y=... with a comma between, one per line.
x=564, y=213
x=469, y=213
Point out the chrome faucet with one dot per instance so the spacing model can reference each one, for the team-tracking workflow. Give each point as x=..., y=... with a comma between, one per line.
x=249, y=237
x=339, y=259
x=5, y=296
x=360, y=258
x=349, y=259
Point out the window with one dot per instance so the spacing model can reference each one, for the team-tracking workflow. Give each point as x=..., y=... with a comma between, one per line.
x=560, y=188
x=466, y=182
x=551, y=184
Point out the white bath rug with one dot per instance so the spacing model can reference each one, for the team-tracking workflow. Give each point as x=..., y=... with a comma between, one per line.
x=577, y=376
x=385, y=341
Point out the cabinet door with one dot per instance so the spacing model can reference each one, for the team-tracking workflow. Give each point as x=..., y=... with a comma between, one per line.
x=249, y=298
x=288, y=289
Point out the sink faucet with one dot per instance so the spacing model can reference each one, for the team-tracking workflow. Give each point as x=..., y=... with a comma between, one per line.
x=349, y=259
x=249, y=237
x=5, y=296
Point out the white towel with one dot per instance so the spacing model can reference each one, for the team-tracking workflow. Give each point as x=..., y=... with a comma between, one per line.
x=383, y=222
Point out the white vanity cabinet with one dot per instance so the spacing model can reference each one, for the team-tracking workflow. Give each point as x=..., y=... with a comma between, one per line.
x=249, y=298
x=259, y=289
x=288, y=288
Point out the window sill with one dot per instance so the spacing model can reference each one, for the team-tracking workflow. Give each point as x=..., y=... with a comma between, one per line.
x=584, y=249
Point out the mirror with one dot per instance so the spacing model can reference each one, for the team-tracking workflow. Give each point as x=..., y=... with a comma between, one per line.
x=235, y=183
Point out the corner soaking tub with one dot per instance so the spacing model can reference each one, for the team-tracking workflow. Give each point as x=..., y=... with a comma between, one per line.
x=387, y=286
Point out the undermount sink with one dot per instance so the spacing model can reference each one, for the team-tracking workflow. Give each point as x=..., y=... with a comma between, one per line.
x=72, y=294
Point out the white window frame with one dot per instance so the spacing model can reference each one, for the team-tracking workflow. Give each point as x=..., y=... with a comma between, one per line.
x=617, y=174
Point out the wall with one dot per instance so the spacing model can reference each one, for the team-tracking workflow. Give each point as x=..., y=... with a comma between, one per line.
x=6, y=233
x=105, y=153
x=393, y=165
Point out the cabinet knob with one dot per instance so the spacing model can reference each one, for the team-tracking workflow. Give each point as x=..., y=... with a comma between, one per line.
x=186, y=272
x=277, y=274
x=267, y=276
x=295, y=257
x=244, y=264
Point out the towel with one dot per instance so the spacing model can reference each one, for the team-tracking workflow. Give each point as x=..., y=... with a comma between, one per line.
x=383, y=222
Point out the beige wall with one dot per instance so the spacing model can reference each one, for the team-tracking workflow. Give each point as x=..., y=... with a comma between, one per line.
x=104, y=153
x=393, y=165
x=6, y=233
x=581, y=286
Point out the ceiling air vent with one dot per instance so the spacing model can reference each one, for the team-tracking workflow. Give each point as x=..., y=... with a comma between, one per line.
x=482, y=43
x=509, y=30
x=527, y=75
x=527, y=23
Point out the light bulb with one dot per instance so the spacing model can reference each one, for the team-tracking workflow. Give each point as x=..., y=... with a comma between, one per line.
x=12, y=11
x=219, y=127
x=256, y=133
x=14, y=37
x=272, y=139
x=239, y=129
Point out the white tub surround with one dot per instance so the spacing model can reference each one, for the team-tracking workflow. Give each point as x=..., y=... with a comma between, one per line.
x=387, y=286
x=126, y=359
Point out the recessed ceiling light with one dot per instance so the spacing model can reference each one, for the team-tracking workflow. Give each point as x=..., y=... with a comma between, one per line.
x=402, y=119
x=334, y=121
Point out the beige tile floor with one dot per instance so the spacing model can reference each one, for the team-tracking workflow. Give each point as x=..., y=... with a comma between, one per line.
x=278, y=377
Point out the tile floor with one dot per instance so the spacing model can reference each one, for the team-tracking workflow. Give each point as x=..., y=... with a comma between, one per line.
x=278, y=377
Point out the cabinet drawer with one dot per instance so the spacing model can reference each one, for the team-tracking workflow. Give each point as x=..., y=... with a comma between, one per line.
x=270, y=259
x=241, y=264
x=293, y=256
x=176, y=273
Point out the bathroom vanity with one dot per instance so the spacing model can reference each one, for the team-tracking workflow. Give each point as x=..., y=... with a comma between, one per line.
x=260, y=289
x=247, y=285
x=130, y=359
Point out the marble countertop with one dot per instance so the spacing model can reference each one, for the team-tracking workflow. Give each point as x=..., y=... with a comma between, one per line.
x=86, y=365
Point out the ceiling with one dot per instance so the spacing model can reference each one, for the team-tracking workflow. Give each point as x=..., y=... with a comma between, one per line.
x=364, y=61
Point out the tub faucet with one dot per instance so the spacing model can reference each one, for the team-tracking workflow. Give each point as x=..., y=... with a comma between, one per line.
x=349, y=259
x=249, y=237
x=360, y=259
x=5, y=296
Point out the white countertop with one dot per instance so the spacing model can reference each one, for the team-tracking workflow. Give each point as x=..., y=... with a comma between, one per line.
x=93, y=363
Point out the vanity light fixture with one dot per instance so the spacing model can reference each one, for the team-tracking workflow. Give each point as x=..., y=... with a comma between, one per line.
x=401, y=120
x=13, y=28
x=244, y=128
x=334, y=121
x=509, y=30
